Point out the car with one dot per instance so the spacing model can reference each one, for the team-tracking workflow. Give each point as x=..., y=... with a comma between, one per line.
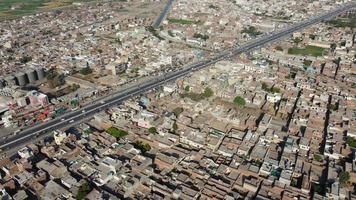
x=71, y=121
x=62, y=119
x=83, y=111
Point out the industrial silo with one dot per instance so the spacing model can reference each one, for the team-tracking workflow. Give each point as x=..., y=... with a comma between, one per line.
x=21, y=79
x=40, y=73
x=31, y=75
x=10, y=80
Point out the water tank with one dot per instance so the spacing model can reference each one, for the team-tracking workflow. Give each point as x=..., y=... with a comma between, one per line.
x=40, y=73
x=10, y=80
x=31, y=75
x=21, y=79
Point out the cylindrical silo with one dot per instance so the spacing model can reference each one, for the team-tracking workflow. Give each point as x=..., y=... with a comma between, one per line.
x=21, y=79
x=31, y=75
x=10, y=80
x=40, y=73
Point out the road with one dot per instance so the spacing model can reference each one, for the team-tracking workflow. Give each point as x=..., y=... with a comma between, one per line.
x=163, y=14
x=86, y=112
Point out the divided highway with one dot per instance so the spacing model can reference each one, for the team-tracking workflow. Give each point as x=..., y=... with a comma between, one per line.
x=83, y=113
x=163, y=14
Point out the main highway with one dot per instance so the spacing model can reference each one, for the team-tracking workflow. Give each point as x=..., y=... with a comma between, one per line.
x=88, y=111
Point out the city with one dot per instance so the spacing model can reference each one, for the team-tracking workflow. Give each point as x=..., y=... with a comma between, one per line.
x=178, y=99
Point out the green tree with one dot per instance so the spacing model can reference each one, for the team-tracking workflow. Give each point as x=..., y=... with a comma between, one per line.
x=344, y=177
x=240, y=101
x=351, y=142
x=208, y=92
x=152, y=130
x=83, y=191
x=85, y=71
x=141, y=146
x=177, y=111
x=175, y=126
x=317, y=157
x=333, y=46
x=116, y=132
x=187, y=88
x=25, y=59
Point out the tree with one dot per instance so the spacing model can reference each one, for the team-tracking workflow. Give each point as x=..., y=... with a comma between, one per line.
x=240, y=101
x=344, y=177
x=333, y=47
x=208, y=92
x=351, y=142
x=152, y=130
x=177, y=111
x=175, y=126
x=317, y=157
x=25, y=59
x=83, y=191
x=187, y=88
x=85, y=71
x=141, y=146
x=116, y=132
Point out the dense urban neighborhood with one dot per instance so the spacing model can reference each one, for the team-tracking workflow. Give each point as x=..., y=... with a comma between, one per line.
x=276, y=121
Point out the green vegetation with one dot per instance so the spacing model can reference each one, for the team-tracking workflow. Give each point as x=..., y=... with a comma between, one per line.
x=312, y=36
x=54, y=78
x=297, y=40
x=88, y=131
x=25, y=59
x=175, y=126
x=317, y=157
x=348, y=21
x=198, y=97
x=16, y=8
x=315, y=188
x=294, y=183
x=344, y=177
x=214, y=7
x=117, y=133
x=271, y=90
x=333, y=107
x=201, y=36
x=307, y=62
x=134, y=70
x=170, y=33
x=152, y=130
x=240, y=101
x=83, y=191
x=208, y=93
x=177, y=111
x=182, y=21
x=351, y=142
x=86, y=70
x=187, y=88
x=333, y=46
x=251, y=30
x=279, y=48
x=141, y=146
x=308, y=50
x=353, y=85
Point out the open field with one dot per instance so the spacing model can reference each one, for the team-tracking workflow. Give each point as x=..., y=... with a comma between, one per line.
x=15, y=8
x=307, y=51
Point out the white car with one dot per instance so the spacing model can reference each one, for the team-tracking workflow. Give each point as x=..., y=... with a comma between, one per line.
x=71, y=121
